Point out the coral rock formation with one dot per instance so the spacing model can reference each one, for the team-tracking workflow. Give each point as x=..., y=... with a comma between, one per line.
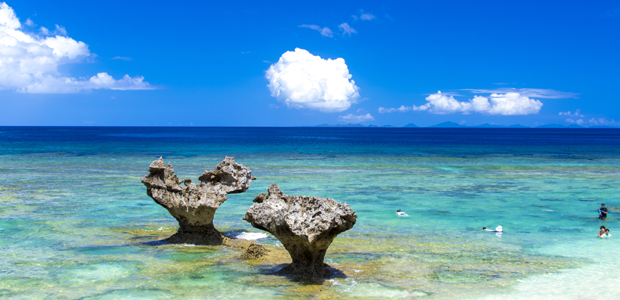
x=306, y=226
x=194, y=205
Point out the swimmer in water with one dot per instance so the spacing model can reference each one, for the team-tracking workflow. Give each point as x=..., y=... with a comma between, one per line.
x=601, y=232
x=498, y=229
x=401, y=213
x=607, y=233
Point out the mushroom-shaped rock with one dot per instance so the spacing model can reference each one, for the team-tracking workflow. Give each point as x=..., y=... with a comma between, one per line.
x=194, y=205
x=306, y=226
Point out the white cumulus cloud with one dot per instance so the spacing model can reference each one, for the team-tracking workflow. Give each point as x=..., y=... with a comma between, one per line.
x=302, y=80
x=495, y=104
x=29, y=63
x=324, y=31
x=356, y=118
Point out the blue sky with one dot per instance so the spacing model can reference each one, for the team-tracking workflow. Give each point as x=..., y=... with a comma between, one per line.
x=204, y=63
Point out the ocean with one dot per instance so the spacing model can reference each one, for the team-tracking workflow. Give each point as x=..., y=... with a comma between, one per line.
x=76, y=223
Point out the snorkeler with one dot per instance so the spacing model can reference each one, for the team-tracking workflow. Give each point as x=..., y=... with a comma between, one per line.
x=497, y=229
x=602, y=212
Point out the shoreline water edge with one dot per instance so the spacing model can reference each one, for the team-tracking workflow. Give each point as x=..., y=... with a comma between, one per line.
x=76, y=221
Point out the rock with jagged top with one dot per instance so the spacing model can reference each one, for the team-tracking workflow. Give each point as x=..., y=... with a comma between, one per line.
x=194, y=204
x=306, y=226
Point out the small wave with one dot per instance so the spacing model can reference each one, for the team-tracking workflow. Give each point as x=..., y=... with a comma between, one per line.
x=250, y=236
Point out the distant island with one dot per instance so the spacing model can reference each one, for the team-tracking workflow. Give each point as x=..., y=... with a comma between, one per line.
x=456, y=125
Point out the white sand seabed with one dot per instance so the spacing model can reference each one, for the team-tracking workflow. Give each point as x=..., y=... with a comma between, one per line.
x=600, y=280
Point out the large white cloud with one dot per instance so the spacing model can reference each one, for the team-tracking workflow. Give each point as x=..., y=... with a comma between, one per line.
x=302, y=80
x=29, y=62
x=495, y=104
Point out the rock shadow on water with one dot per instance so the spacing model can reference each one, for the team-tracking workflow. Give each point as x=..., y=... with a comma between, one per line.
x=282, y=271
x=156, y=243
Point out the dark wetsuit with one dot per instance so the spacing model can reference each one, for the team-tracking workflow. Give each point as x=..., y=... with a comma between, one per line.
x=602, y=213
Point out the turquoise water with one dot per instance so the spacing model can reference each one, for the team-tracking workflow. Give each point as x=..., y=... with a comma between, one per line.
x=76, y=221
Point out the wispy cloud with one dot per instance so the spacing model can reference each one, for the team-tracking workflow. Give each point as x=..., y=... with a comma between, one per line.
x=60, y=30
x=402, y=108
x=573, y=118
x=528, y=92
x=324, y=31
x=614, y=12
x=364, y=16
x=604, y=122
x=580, y=119
x=44, y=31
x=356, y=118
x=577, y=114
x=367, y=17
x=346, y=29
x=121, y=58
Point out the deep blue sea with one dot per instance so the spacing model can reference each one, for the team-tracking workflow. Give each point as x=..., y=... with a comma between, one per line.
x=75, y=221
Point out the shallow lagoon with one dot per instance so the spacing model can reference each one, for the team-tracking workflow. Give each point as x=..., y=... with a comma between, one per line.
x=76, y=221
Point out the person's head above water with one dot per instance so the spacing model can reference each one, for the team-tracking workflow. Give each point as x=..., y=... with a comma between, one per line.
x=483, y=228
x=602, y=205
x=607, y=230
x=602, y=227
x=398, y=210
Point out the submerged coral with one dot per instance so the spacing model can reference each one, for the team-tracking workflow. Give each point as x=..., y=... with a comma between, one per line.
x=194, y=205
x=254, y=251
x=306, y=226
